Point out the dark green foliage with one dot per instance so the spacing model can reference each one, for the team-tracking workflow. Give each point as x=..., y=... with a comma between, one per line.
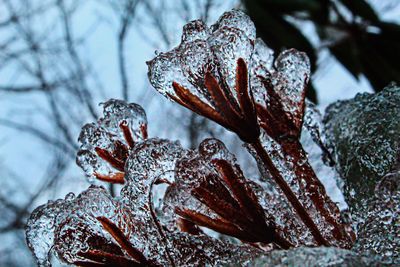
x=362, y=134
x=350, y=29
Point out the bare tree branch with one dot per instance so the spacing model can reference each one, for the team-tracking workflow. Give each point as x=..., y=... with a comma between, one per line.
x=86, y=95
x=126, y=11
x=55, y=170
x=40, y=135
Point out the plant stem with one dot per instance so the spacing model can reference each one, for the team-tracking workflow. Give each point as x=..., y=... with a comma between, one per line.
x=317, y=196
x=158, y=225
x=291, y=197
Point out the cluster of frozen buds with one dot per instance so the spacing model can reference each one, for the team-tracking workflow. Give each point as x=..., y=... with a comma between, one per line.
x=226, y=75
x=96, y=229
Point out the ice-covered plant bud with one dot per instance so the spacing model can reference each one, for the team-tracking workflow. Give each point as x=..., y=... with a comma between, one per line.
x=208, y=72
x=105, y=145
x=41, y=226
x=211, y=191
x=279, y=90
x=92, y=228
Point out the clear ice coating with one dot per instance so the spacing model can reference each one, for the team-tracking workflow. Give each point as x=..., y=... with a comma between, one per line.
x=290, y=79
x=197, y=173
x=236, y=19
x=313, y=140
x=132, y=115
x=214, y=49
x=308, y=190
x=279, y=91
x=40, y=229
x=261, y=67
x=315, y=257
x=194, y=171
x=209, y=251
x=69, y=227
x=362, y=135
x=150, y=165
x=312, y=123
x=92, y=136
x=150, y=162
x=288, y=75
x=287, y=222
x=104, y=145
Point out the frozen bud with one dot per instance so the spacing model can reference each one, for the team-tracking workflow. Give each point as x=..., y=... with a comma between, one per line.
x=105, y=145
x=208, y=72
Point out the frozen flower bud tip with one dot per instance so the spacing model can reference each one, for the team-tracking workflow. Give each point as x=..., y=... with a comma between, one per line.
x=208, y=72
x=237, y=19
x=92, y=228
x=211, y=191
x=195, y=30
x=279, y=90
x=105, y=145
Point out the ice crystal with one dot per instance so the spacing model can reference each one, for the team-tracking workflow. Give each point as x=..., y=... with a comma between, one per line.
x=202, y=250
x=41, y=227
x=210, y=191
x=309, y=192
x=105, y=145
x=314, y=126
x=71, y=226
x=150, y=163
x=361, y=135
x=118, y=113
x=313, y=139
x=279, y=88
x=287, y=222
x=261, y=66
x=290, y=79
x=95, y=228
x=201, y=174
x=279, y=91
x=218, y=87
x=315, y=257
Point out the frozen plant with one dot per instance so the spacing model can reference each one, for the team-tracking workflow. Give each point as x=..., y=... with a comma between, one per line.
x=224, y=73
